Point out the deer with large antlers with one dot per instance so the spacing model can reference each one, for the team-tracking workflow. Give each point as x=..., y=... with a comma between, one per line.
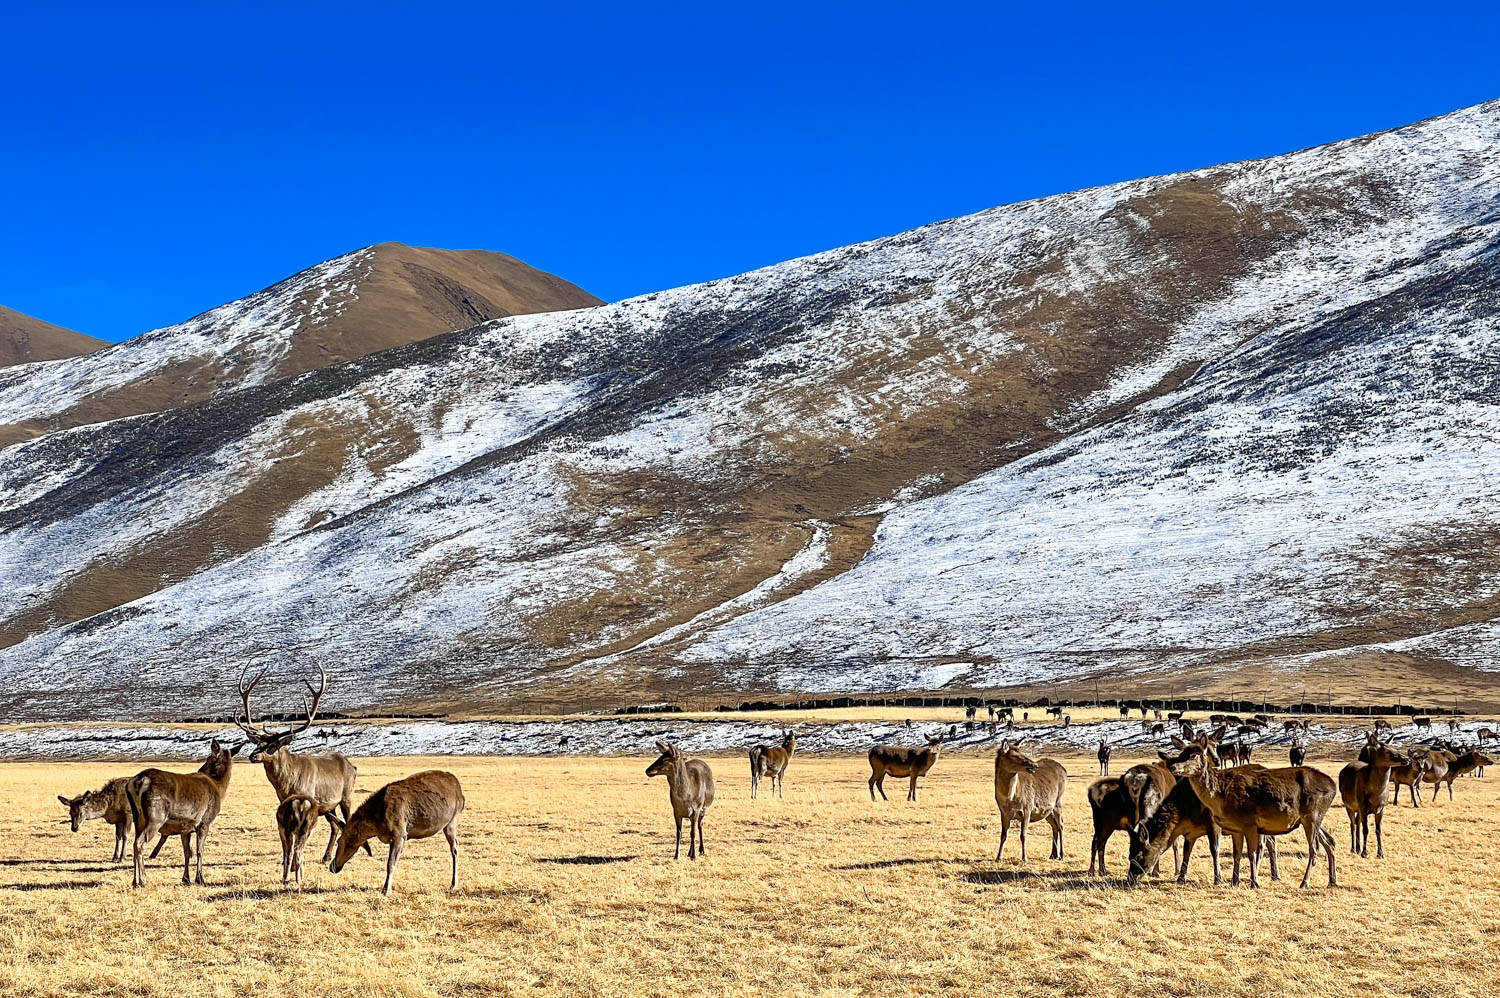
x=327, y=779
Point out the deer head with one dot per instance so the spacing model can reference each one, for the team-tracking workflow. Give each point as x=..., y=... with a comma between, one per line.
x=269, y=742
x=670, y=756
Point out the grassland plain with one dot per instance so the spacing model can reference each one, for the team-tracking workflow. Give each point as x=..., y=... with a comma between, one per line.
x=567, y=886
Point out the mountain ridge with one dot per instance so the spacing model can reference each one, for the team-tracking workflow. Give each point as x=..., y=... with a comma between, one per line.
x=25, y=339
x=990, y=451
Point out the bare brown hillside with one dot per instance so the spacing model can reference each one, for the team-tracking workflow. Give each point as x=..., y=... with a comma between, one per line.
x=24, y=339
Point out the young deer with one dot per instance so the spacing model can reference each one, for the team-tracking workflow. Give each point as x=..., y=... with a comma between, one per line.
x=1183, y=815
x=327, y=779
x=690, y=785
x=111, y=804
x=771, y=760
x=185, y=804
x=296, y=817
x=417, y=807
x=1028, y=790
x=1409, y=775
x=902, y=762
x=1104, y=753
x=1362, y=787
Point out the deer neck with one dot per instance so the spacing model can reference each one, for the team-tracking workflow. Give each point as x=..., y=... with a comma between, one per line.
x=278, y=767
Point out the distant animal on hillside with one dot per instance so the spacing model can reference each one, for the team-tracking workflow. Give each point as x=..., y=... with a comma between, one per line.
x=417, y=807
x=902, y=762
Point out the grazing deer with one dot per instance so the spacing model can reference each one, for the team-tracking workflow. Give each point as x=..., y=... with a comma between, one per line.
x=1252, y=802
x=1183, y=815
x=1381, y=724
x=902, y=762
x=417, y=807
x=1362, y=786
x=1465, y=762
x=690, y=785
x=296, y=817
x=111, y=804
x=185, y=804
x=771, y=760
x=1028, y=790
x=1104, y=754
x=1158, y=729
x=327, y=779
x=1484, y=735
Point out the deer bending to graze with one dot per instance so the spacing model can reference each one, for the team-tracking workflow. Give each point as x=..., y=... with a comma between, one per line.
x=1028, y=790
x=771, y=760
x=185, y=804
x=1104, y=753
x=111, y=804
x=1252, y=802
x=417, y=807
x=1484, y=735
x=1362, y=787
x=1112, y=809
x=902, y=762
x=690, y=785
x=327, y=779
x=1182, y=815
x=296, y=817
x=1465, y=762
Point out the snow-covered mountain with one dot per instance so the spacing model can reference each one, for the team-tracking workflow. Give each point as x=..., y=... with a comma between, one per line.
x=369, y=300
x=1247, y=414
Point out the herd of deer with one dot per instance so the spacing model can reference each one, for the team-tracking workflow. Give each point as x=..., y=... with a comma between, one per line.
x=1192, y=792
x=157, y=804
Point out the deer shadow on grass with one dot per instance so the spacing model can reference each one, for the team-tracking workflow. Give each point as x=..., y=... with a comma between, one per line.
x=269, y=893
x=59, y=885
x=585, y=860
x=1052, y=880
x=887, y=864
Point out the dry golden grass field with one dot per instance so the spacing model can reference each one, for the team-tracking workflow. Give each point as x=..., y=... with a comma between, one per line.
x=567, y=886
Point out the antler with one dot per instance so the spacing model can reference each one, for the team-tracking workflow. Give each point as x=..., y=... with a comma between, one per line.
x=317, y=694
x=245, y=692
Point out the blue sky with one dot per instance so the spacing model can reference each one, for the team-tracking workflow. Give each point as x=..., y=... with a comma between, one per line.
x=155, y=165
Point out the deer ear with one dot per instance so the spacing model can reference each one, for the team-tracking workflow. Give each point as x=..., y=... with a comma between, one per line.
x=65, y=801
x=664, y=748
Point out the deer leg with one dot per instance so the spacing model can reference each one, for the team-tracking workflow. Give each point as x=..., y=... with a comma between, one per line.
x=692, y=834
x=1174, y=854
x=912, y=793
x=450, y=831
x=1450, y=788
x=119, y=853
x=398, y=842
x=1055, y=820
x=1272, y=851
x=138, y=874
x=159, y=843
x=1252, y=850
x=286, y=856
x=1187, y=852
x=1004, y=828
x=198, y=857
x=1379, y=841
x=1364, y=836
x=333, y=838
x=700, y=832
x=1025, y=819
x=1213, y=852
x=1353, y=833
x=1094, y=854
x=1313, y=842
x=677, y=849
x=187, y=857
x=1237, y=840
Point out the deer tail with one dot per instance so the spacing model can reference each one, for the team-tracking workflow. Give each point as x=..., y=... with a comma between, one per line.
x=137, y=786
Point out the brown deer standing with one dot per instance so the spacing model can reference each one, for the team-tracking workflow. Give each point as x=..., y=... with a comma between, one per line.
x=1466, y=762
x=185, y=804
x=902, y=762
x=690, y=786
x=1028, y=790
x=111, y=804
x=1104, y=753
x=771, y=760
x=1362, y=786
x=1252, y=802
x=1438, y=763
x=296, y=817
x=417, y=807
x=327, y=779
x=1409, y=775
